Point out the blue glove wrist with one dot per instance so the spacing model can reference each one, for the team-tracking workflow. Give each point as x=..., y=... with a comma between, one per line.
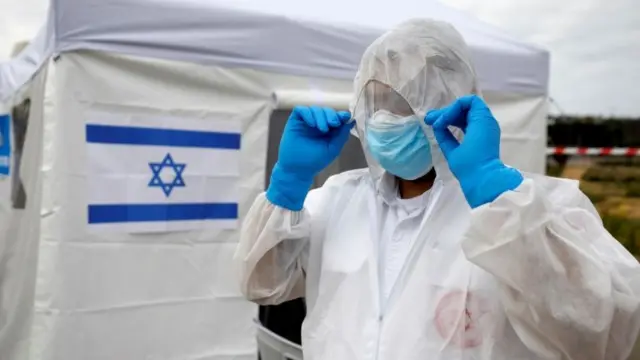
x=487, y=183
x=288, y=189
x=475, y=161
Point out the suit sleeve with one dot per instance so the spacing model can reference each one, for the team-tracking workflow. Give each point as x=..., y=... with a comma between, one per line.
x=569, y=289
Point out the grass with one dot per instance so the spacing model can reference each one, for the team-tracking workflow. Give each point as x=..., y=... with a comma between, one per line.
x=615, y=191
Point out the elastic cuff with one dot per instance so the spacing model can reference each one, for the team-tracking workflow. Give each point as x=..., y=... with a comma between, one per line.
x=288, y=190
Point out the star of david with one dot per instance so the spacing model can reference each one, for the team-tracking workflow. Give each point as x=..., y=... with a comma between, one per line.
x=156, y=180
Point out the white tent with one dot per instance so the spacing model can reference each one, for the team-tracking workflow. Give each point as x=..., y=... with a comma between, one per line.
x=161, y=286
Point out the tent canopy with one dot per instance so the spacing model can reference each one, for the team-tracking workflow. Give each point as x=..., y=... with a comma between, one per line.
x=107, y=285
x=305, y=38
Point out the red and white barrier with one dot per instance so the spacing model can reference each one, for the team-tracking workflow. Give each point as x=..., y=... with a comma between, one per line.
x=589, y=151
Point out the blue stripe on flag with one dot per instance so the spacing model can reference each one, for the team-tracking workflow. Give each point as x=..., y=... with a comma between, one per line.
x=127, y=135
x=124, y=213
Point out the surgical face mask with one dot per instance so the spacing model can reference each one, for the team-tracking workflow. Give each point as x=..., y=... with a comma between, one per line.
x=399, y=145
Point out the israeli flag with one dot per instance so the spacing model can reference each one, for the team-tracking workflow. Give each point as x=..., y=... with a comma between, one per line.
x=152, y=173
x=5, y=144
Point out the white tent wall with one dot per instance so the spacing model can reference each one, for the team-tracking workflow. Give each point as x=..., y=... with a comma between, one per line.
x=19, y=241
x=114, y=295
x=523, y=121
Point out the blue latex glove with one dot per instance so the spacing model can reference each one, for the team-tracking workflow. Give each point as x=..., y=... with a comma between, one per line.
x=313, y=137
x=475, y=162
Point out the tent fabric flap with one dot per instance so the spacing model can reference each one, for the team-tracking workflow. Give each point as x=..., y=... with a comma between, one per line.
x=319, y=39
x=17, y=72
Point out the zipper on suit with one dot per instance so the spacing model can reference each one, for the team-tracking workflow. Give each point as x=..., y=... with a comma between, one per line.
x=416, y=250
x=380, y=293
x=379, y=334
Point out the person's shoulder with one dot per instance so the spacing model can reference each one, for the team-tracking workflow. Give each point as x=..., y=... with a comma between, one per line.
x=560, y=191
x=339, y=183
x=551, y=183
x=336, y=187
x=348, y=178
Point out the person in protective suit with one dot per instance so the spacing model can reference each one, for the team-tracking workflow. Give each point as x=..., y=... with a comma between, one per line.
x=438, y=250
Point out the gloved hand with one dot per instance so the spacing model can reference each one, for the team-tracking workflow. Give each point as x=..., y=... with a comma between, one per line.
x=476, y=161
x=313, y=137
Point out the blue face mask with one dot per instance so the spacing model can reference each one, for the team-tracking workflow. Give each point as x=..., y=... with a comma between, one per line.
x=399, y=145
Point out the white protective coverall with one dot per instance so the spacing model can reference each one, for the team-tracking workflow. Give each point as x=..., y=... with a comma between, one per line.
x=532, y=275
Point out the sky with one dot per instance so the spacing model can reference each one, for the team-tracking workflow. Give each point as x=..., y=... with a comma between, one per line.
x=594, y=45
